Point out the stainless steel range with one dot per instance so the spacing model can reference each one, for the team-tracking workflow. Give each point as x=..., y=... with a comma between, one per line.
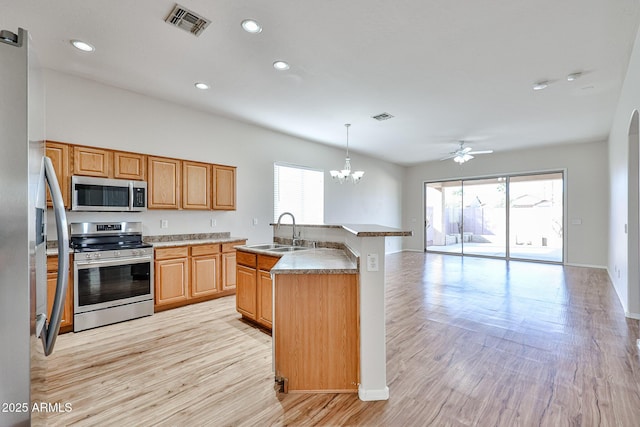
x=113, y=273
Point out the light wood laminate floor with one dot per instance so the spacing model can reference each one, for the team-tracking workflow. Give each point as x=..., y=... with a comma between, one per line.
x=470, y=342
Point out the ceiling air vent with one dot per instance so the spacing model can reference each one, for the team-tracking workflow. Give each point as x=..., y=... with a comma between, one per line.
x=182, y=17
x=382, y=116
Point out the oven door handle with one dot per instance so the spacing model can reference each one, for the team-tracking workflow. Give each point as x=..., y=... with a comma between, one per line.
x=49, y=333
x=111, y=262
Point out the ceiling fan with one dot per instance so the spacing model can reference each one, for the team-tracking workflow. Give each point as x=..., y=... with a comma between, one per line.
x=464, y=154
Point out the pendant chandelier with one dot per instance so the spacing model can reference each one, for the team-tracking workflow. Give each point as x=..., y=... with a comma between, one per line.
x=345, y=173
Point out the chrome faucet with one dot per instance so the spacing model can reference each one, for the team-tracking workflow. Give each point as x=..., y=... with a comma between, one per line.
x=295, y=240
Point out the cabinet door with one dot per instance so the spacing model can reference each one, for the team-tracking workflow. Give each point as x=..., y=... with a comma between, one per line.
x=228, y=271
x=164, y=183
x=224, y=187
x=265, y=302
x=196, y=185
x=92, y=162
x=59, y=155
x=246, y=291
x=129, y=166
x=172, y=280
x=67, y=312
x=205, y=273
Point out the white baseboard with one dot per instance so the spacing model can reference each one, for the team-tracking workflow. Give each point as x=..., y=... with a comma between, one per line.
x=572, y=264
x=635, y=316
x=413, y=250
x=371, y=395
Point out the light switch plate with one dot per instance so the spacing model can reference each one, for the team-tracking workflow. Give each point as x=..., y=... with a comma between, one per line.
x=372, y=262
x=164, y=223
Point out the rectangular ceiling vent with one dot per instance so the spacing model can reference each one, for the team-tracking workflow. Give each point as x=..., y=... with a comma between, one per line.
x=182, y=17
x=382, y=116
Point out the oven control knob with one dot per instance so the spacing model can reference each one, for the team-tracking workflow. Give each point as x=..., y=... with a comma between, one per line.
x=117, y=253
x=87, y=256
x=134, y=252
x=142, y=252
x=97, y=255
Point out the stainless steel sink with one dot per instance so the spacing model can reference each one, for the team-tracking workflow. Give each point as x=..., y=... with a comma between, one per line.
x=289, y=249
x=277, y=247
x=268, y=246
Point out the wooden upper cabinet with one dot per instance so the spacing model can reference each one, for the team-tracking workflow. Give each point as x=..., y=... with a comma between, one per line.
x=196, y=185
x=224, y=187
x=129, y=166
x=164, y=179
x=59, y=155
x=91, y=161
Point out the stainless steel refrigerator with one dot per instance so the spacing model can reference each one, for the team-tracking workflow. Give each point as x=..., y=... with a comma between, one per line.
x=27, y=332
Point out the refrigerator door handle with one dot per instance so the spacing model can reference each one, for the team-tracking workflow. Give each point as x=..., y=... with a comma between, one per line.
x=50, y=332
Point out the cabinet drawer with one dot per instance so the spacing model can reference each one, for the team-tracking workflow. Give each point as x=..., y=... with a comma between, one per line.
x=266, y=262
x=230, y=247
x=175, y=252
x=246, y=258
x=209, y=249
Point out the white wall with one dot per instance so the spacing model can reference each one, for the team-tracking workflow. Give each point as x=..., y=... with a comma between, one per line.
x=619, y=264
x=586, y=182
x=80, y=111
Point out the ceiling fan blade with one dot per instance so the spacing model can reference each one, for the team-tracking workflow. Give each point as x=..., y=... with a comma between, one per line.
x=450, y=156
x=481, y=152
x=465, y=149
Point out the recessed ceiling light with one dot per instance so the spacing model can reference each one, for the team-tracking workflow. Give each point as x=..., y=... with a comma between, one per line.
x=251, y=26
x=280, y=65
x=83, y=46
x=541, y=85
x=573, y=76
x=202, y=86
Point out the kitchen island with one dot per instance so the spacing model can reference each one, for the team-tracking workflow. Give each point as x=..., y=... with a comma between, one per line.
x=328, y=322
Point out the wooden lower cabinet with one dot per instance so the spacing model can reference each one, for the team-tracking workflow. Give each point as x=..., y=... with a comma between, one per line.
x=246, y=291
x=316, y=334
x=205, y=270
x=254, y=287
x=264, y=313
x=172, y=280
x=66, y=325
x=228, y=265
x=189, y=274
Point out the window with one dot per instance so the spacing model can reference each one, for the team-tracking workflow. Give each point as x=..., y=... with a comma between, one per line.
x=299, y=190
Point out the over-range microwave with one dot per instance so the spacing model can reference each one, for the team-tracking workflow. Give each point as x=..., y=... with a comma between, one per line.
x=107, y=195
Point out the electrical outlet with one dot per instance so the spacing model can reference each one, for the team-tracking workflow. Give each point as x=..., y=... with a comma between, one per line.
x=255, y=221
x=213, y=222
x=372, y=262
x=164, y=223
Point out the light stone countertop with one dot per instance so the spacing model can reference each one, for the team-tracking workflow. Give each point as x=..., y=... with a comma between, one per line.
x=360, y=230
x=191, y=242
x=309, y=261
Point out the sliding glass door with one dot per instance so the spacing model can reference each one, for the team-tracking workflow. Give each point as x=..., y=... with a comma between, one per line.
x=443, y=222
x=518, y=216
x=484, y=217
x=535, y=219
